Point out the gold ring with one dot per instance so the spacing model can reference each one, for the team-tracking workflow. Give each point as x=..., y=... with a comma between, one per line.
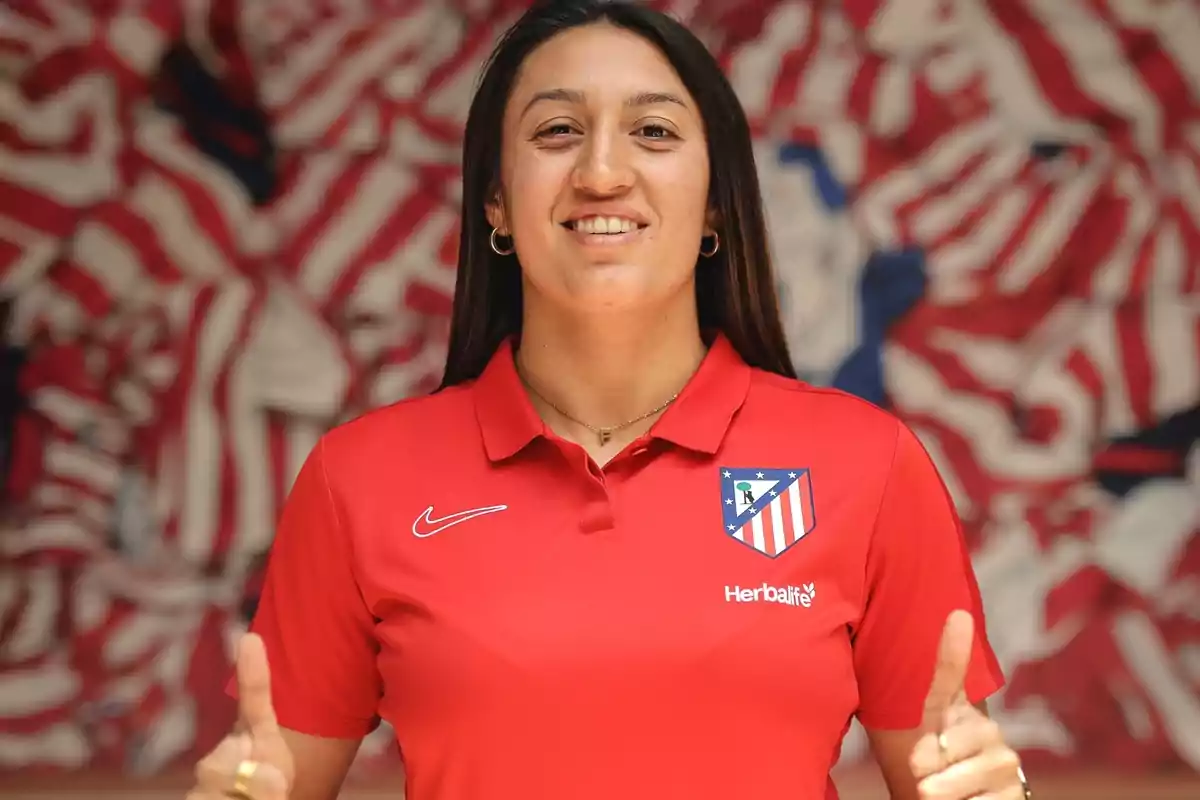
x=241, y=779
x=943, y=747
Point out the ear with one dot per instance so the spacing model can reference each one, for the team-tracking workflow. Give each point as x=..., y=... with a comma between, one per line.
x=712, y=221
x=496, y=215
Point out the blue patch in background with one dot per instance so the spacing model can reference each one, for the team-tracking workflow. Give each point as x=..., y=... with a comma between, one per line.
x=890, y=285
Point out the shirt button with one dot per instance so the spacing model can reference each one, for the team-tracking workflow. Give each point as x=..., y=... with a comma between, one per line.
x=597, y=516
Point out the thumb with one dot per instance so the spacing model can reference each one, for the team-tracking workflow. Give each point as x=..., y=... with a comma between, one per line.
x=254, y=687
x=948, y=686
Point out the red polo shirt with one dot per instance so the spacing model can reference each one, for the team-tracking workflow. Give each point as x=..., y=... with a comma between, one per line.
x=701, y=618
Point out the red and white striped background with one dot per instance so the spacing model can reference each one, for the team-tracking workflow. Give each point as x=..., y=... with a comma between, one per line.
x=187, y=346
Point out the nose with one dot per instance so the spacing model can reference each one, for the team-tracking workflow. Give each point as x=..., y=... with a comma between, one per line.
x=603, y=168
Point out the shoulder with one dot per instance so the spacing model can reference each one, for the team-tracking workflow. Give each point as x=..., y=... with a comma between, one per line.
x=825, y=415
x=860, y=444
x=409, y=427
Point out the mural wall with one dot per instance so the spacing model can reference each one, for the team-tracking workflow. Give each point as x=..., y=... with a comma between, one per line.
x=225, y=227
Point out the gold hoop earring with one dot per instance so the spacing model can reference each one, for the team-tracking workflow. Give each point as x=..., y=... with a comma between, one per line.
x=716, y=237
x=508, y=251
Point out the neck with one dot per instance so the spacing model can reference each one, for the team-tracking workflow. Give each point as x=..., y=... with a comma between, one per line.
x=607, y=369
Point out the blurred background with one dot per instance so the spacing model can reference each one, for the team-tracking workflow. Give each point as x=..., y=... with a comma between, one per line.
x=227, y=225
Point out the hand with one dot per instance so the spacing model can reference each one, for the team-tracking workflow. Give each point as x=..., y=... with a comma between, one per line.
x=257, y=748
x=962, y=753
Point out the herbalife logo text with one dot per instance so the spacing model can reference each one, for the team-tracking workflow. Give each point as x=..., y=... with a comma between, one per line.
x=786, y=595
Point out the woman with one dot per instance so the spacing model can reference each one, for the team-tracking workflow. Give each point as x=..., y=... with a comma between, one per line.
x=622, y=552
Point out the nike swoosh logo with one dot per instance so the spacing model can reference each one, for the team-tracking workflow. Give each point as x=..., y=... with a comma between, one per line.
x=439, y=525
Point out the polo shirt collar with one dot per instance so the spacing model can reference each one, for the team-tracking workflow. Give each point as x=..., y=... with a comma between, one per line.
x=698, y=420
x=507, y=419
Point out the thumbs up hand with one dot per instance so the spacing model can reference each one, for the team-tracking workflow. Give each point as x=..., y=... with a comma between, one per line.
x=253, y=763
x=961, y=753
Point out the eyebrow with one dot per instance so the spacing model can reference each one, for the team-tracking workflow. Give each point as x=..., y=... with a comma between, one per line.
x=577, y=97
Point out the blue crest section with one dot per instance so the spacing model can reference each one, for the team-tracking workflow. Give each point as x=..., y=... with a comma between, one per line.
x=741, y=499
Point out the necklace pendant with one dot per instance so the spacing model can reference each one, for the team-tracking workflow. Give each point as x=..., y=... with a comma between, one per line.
x=604, y=437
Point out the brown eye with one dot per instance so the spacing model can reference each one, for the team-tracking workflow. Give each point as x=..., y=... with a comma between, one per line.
x=554, y=131
x=657, y=132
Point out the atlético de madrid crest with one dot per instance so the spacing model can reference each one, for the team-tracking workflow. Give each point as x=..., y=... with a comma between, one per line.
x=767, y=509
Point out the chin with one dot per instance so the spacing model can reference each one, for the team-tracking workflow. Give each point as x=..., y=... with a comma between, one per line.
x=621, y=296
x=616, y=282
x=613, y=286
x=610, y=300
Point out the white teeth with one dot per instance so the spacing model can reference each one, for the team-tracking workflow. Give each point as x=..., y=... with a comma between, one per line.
x=605, y=225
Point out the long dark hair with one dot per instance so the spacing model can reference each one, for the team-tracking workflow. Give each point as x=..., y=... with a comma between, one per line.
x=735, y=293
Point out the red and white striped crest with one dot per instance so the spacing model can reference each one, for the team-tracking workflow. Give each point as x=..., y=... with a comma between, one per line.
x=767, y=509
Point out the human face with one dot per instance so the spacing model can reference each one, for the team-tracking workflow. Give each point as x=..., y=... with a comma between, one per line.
x=604, y=174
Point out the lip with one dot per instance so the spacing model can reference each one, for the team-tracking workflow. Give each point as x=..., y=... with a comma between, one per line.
x=606, y=239
x=606, y=210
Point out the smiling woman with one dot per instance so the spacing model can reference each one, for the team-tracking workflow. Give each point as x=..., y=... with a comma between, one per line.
x=622, y=552
x=569, y=166
x=612, y=120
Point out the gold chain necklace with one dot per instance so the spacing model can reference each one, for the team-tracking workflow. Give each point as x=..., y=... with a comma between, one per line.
x=605, y=433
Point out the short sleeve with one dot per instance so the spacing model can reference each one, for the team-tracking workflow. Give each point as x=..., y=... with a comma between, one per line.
x=918, y=571
x=318, y=631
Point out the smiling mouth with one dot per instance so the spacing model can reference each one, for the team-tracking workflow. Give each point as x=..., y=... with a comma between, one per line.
x=604, y=229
